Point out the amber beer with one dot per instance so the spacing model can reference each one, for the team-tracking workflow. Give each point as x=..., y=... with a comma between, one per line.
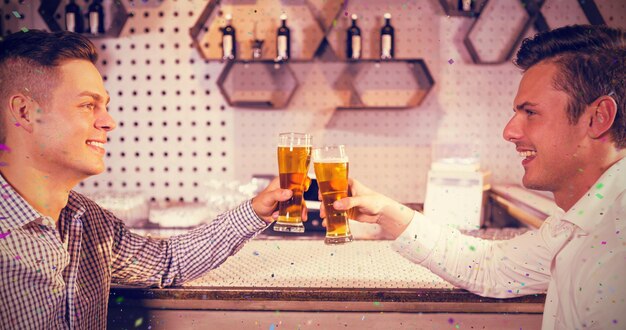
x=294, y=156
x=331, y=170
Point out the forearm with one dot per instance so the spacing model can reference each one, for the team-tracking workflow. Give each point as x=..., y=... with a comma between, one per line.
x=488, y=268
x=145, y=261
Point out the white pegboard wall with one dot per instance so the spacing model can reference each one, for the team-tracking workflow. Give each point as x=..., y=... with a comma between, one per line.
x=390, y=150
x=175, y=130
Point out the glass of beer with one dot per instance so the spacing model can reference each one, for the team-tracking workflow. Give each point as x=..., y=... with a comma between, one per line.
x=331, y=170
x=294, y=156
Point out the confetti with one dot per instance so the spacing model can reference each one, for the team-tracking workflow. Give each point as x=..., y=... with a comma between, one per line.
x=16, y=14
x=450, y=61
x=3, y=235
x=5, y=148
x=119, y=300
x=18, y=257
x=599, y=196
x=376, y=303
x=472, y=248
x=24, y=29
x=450, y=320
x=256, y=253
x=3, y=164
x=599, y=186
x=272, y=326
x=603, y=242
x=138, y=322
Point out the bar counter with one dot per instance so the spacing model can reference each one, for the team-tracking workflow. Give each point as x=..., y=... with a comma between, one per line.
x=273, y=280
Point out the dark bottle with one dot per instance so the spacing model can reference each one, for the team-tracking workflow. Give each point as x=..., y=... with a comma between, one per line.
x=73, y=18
x=96, y=17
x=386, y=39
x=353, y=49
x=466, y=5
x=283, y=49
x=229, y=43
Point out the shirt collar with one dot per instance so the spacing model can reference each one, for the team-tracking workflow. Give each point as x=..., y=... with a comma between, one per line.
x=75, y=205
x=589, y=211
x=15, y=212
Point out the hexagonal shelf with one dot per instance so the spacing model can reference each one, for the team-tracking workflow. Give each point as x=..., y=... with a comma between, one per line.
x=259, y=20
x=488, y=40
x=451, y=7
x=115, y=16
x=397, y=84
x=259, y=84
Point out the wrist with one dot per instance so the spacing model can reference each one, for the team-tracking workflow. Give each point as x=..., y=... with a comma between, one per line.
x=395, y=217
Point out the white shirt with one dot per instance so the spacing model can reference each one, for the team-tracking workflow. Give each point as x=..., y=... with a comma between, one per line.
x=579, y=256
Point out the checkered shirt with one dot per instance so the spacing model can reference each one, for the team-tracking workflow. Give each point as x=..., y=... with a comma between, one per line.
x=60, y=279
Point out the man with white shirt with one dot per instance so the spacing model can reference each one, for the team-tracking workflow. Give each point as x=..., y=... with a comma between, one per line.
x=569, y=125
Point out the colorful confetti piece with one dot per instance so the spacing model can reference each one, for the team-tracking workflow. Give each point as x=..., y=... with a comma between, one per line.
x=5, y=148
x=599, y=186
x=450, y=61
x=599, y=196
x=16, y=14
x=138, y=322
x=3, y=235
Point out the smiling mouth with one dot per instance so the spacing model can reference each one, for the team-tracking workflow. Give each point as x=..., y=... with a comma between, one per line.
x=98, y=145
x=528, y=156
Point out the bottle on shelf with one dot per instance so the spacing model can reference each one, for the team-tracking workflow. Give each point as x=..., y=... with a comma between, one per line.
x=229, y=42
x=283, y=48
x=353, y=49
x=96, y=17
x=73, y=18
x=466, y=5
x=386, y=39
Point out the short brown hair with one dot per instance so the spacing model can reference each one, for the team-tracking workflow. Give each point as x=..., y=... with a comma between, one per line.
x=592, y=62
x=28, y=62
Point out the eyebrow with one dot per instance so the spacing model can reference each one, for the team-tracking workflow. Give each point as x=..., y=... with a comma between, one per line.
x=524, y=105
x=95, y=96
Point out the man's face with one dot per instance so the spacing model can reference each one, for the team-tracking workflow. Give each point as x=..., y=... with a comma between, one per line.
x=70, y=131
x=552, y=149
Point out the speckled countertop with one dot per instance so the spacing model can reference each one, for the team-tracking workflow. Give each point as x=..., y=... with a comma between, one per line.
x=306, y=274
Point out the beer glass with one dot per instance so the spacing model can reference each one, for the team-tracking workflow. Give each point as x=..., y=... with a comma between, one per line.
x=331, y=170
x=294, y=156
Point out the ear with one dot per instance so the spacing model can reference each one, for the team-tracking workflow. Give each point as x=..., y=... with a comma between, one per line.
x=21, y=109
x=604, y=110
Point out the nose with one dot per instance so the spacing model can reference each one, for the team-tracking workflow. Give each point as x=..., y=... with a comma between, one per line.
x=512, y=131
x=106, y=122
